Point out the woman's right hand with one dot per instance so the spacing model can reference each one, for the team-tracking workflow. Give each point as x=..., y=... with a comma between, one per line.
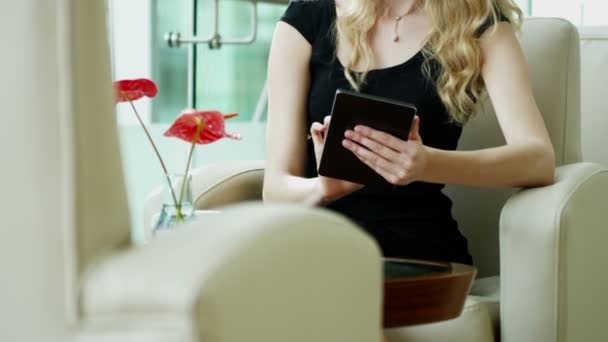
x=330, y=189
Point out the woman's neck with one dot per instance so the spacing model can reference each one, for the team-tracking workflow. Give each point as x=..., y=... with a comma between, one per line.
x=400, y=8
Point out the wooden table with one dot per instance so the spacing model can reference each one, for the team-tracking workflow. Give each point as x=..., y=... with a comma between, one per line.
x=419, y=292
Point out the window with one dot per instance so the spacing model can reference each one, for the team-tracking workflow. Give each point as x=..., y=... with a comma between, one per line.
x=579, y=12
x=229, y=79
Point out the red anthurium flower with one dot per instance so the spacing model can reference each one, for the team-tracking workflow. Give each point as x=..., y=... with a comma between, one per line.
x=131, y=90
x=186, y=125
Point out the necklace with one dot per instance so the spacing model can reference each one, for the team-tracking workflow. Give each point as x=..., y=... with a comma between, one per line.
x=399, y=17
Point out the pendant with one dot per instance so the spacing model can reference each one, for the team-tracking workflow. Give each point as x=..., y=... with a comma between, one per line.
x=396, y=37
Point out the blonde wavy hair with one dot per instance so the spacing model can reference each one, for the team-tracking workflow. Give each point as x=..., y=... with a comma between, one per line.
x=453, y=43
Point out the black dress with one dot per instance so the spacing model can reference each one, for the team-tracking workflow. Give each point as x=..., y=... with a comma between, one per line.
x=413, y=221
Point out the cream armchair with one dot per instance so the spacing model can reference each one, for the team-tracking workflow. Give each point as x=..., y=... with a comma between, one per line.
x=537, y=249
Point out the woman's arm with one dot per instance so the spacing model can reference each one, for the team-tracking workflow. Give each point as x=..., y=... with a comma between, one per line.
x=528, y=158
x=288, y=85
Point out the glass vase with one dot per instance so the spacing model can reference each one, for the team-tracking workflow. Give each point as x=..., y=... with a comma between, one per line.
x=170, y=213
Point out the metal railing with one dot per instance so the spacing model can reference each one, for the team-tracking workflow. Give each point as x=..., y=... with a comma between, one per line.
x=215, y=41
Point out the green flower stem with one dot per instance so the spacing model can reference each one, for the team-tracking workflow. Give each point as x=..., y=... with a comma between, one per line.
x=160, y=159
x=199, y=128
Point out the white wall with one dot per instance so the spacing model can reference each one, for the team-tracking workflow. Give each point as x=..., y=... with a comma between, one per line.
x=131, y=41
x=130, y=25
x=579, y=12
x=523, y=4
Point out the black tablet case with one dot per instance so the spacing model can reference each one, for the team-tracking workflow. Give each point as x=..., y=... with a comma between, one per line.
x=349, y=110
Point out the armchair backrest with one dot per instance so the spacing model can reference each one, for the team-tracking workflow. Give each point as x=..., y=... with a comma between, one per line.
x=551, y=47
x=594, y=113
x=100, y=215
x=63, y=195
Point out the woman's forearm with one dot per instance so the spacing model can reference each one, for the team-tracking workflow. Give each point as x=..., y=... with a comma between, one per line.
x=292, y=189
x=510, y=165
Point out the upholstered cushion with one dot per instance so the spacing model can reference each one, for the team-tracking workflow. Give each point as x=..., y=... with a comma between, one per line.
x=487, y=291
x=552, y=245
x=474, y=325
x=100, y=211
x=229, y=182
x=215, y=186
x=254, y=272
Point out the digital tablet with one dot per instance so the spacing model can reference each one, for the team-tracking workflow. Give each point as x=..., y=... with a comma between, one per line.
x=349, y=110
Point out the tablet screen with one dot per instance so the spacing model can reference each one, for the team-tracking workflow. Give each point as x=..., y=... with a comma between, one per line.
x=349, y=110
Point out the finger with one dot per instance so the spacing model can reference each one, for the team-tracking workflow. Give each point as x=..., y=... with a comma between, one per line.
x=316, y=128
x=389, y=174
x=415, y=131
x=372, y=159
x=382, y=138
x=316, y=131
x=382, y=150
x=326, y=122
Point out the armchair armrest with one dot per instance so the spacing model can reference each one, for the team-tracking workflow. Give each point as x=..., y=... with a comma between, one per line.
x=214, y=186
x=254, y=272
x=552, y=240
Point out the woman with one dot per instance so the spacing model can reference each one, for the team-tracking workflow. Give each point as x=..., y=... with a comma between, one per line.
x=442, y=56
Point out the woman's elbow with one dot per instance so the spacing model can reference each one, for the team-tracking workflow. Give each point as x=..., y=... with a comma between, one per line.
x=271, y=187
x=545, y=165
x=267, y=192
x=268, y=195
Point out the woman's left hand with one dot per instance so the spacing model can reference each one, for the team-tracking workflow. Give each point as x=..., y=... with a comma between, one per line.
x=399, y=162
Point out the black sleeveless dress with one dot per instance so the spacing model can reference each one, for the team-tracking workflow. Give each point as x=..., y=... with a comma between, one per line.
x=413, y=221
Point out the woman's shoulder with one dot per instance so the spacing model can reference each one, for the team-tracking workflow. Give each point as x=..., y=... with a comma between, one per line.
x=491, y=21
x=312, y=4
x=310, y=17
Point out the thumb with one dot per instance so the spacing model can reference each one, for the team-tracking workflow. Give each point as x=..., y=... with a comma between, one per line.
x=326, y=122
x=414, y=132
x=316, y=131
